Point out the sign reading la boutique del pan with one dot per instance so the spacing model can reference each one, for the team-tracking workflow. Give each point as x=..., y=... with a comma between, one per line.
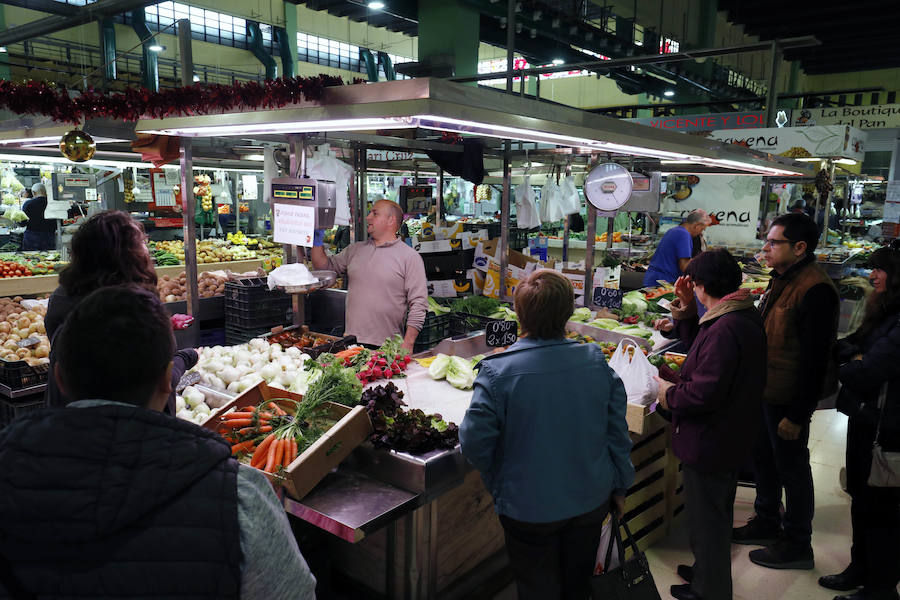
x=878, y=116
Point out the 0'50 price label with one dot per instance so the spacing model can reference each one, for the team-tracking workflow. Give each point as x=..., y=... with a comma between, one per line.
x=501, y=333
x=608, y=297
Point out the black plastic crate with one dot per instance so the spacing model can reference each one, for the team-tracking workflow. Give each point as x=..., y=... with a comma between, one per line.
x=493, y=228
x=18, y=374
x=446, y=265
x=461, y=322
x=435, y=329
x=239, y=335
x=13, y=409
x=518, y=238
x=250, y=304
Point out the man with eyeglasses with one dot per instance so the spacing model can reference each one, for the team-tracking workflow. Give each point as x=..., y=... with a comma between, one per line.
x=800, y=311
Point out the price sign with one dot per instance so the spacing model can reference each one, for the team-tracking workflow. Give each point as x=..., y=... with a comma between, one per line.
x=501, y=333
x=29, y=342
x=294, y=224
x=608, y=297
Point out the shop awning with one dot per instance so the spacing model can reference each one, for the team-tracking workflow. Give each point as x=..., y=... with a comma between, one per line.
x=444, y=106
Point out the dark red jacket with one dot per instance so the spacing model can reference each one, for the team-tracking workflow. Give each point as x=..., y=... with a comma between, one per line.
x=716, y=406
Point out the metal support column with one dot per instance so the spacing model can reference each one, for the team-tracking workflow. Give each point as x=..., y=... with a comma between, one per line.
x=363, y=191
x=440, y=198
x=772, y=93
x=510, y=46
x=188, y=201
x=505, y=199
x=589, y=256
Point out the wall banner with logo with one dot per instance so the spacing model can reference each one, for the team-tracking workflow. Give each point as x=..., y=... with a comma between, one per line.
x=836, y=141
x=732, y=199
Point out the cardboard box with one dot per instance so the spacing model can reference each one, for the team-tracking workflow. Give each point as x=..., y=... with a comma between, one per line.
x=485, y=251
x=425, y=246
x=352, y=428
x=451, y=288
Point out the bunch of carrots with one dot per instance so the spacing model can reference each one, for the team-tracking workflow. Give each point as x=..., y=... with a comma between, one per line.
x=268, y=435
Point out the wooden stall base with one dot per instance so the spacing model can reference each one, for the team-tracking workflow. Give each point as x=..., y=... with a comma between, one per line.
x=454, y=537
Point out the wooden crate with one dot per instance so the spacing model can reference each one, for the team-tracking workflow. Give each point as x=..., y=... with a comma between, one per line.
x=352, y=428
x=642, y=420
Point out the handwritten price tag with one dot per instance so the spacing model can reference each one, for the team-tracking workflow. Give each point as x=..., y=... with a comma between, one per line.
x=501, y=333
x=608, y=297
x=28, y=342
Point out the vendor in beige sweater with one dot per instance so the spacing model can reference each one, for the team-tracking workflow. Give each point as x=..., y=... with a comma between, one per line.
x=386, y=280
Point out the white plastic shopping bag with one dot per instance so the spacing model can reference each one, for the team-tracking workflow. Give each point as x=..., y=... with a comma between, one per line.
x=605, y=535
x=551, y=202
x=570, y=201
x=636, y=373
x=527, y=216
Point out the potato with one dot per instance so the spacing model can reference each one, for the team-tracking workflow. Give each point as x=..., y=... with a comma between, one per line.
x=41, y=352
x=5, y=327
x=14, y=338
x=23, y=353
x=11, y=344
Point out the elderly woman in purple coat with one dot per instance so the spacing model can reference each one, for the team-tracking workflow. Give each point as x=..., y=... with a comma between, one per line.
x=715, y=407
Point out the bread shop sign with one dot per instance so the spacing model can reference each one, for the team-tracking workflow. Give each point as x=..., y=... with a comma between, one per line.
x=878, y=116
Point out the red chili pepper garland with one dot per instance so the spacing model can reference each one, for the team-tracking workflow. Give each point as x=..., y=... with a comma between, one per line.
x=46, y=98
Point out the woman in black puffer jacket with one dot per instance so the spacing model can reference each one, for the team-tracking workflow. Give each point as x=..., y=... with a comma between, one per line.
x=868, y=360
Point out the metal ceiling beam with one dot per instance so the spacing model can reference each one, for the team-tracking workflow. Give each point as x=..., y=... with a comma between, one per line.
x=86, y=14
x=604, y=65
x=47, y=6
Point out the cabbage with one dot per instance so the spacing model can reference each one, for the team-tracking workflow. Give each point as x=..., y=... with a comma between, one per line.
x=635, y=331
x=581, y=315
x=439, y=366
x=605, y=323
x=460, y=373
x=634, y=302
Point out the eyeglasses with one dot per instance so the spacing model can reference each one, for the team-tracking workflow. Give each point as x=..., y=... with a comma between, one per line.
x=771, y=242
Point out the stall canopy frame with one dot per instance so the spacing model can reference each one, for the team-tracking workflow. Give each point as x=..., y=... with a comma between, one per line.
x=441, y=105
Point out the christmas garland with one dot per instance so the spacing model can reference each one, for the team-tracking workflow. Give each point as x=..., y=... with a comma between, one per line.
x=46, y=98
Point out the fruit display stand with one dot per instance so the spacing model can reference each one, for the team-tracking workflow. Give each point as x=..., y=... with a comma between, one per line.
x=45, y=284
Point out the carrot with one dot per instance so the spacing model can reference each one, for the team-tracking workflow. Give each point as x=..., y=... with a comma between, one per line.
x=238, y=423
x=278, y=455
x=270, y=459
x=236, y=416
x=241, y=447
x=293, y=451
x=260, y=455
x=265, y=429
x=277, y=409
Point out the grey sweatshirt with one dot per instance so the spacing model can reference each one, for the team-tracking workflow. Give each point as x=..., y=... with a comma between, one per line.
x=386, y=285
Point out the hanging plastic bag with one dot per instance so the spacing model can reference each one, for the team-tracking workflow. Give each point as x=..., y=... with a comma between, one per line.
x=551, y=196
x=636, y=373
x=527, y=216
x=570, y=201
x=605, y=535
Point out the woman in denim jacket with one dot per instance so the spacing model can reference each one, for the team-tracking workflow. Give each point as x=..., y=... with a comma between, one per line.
x=546, y=428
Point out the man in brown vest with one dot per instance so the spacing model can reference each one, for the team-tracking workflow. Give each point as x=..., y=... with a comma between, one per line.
x=800, y=310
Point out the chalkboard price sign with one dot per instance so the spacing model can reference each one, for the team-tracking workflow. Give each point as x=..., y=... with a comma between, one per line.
x=608, y=297
x=501, y=333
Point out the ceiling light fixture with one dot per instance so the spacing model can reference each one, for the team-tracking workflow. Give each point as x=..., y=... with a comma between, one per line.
x=2, y=49
x=669, y=93
x=155, y=47
x=558, y=61
x=360, y=124
x=376, y=5
x=196, y=78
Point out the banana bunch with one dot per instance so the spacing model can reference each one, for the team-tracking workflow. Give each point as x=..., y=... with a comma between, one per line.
x=483, y=193
x=238, y=239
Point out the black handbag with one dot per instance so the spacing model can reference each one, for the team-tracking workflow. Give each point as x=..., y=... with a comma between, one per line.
x=885, y=470
x=631, y=580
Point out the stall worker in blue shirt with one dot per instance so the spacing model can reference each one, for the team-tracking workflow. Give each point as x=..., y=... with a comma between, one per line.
x=675, y=249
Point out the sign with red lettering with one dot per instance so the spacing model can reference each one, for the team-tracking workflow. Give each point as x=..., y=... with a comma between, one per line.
x=707, y=122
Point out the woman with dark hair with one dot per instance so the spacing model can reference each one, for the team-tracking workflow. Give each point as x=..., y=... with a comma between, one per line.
x=108, y=249
x=715, y=407
x=546, y=428
x=868, y=372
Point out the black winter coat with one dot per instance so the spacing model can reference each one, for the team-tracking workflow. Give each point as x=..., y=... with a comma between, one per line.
x=861, y=380
x=118, y=501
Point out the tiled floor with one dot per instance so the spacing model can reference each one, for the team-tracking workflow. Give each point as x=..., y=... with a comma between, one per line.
x=831, y=531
